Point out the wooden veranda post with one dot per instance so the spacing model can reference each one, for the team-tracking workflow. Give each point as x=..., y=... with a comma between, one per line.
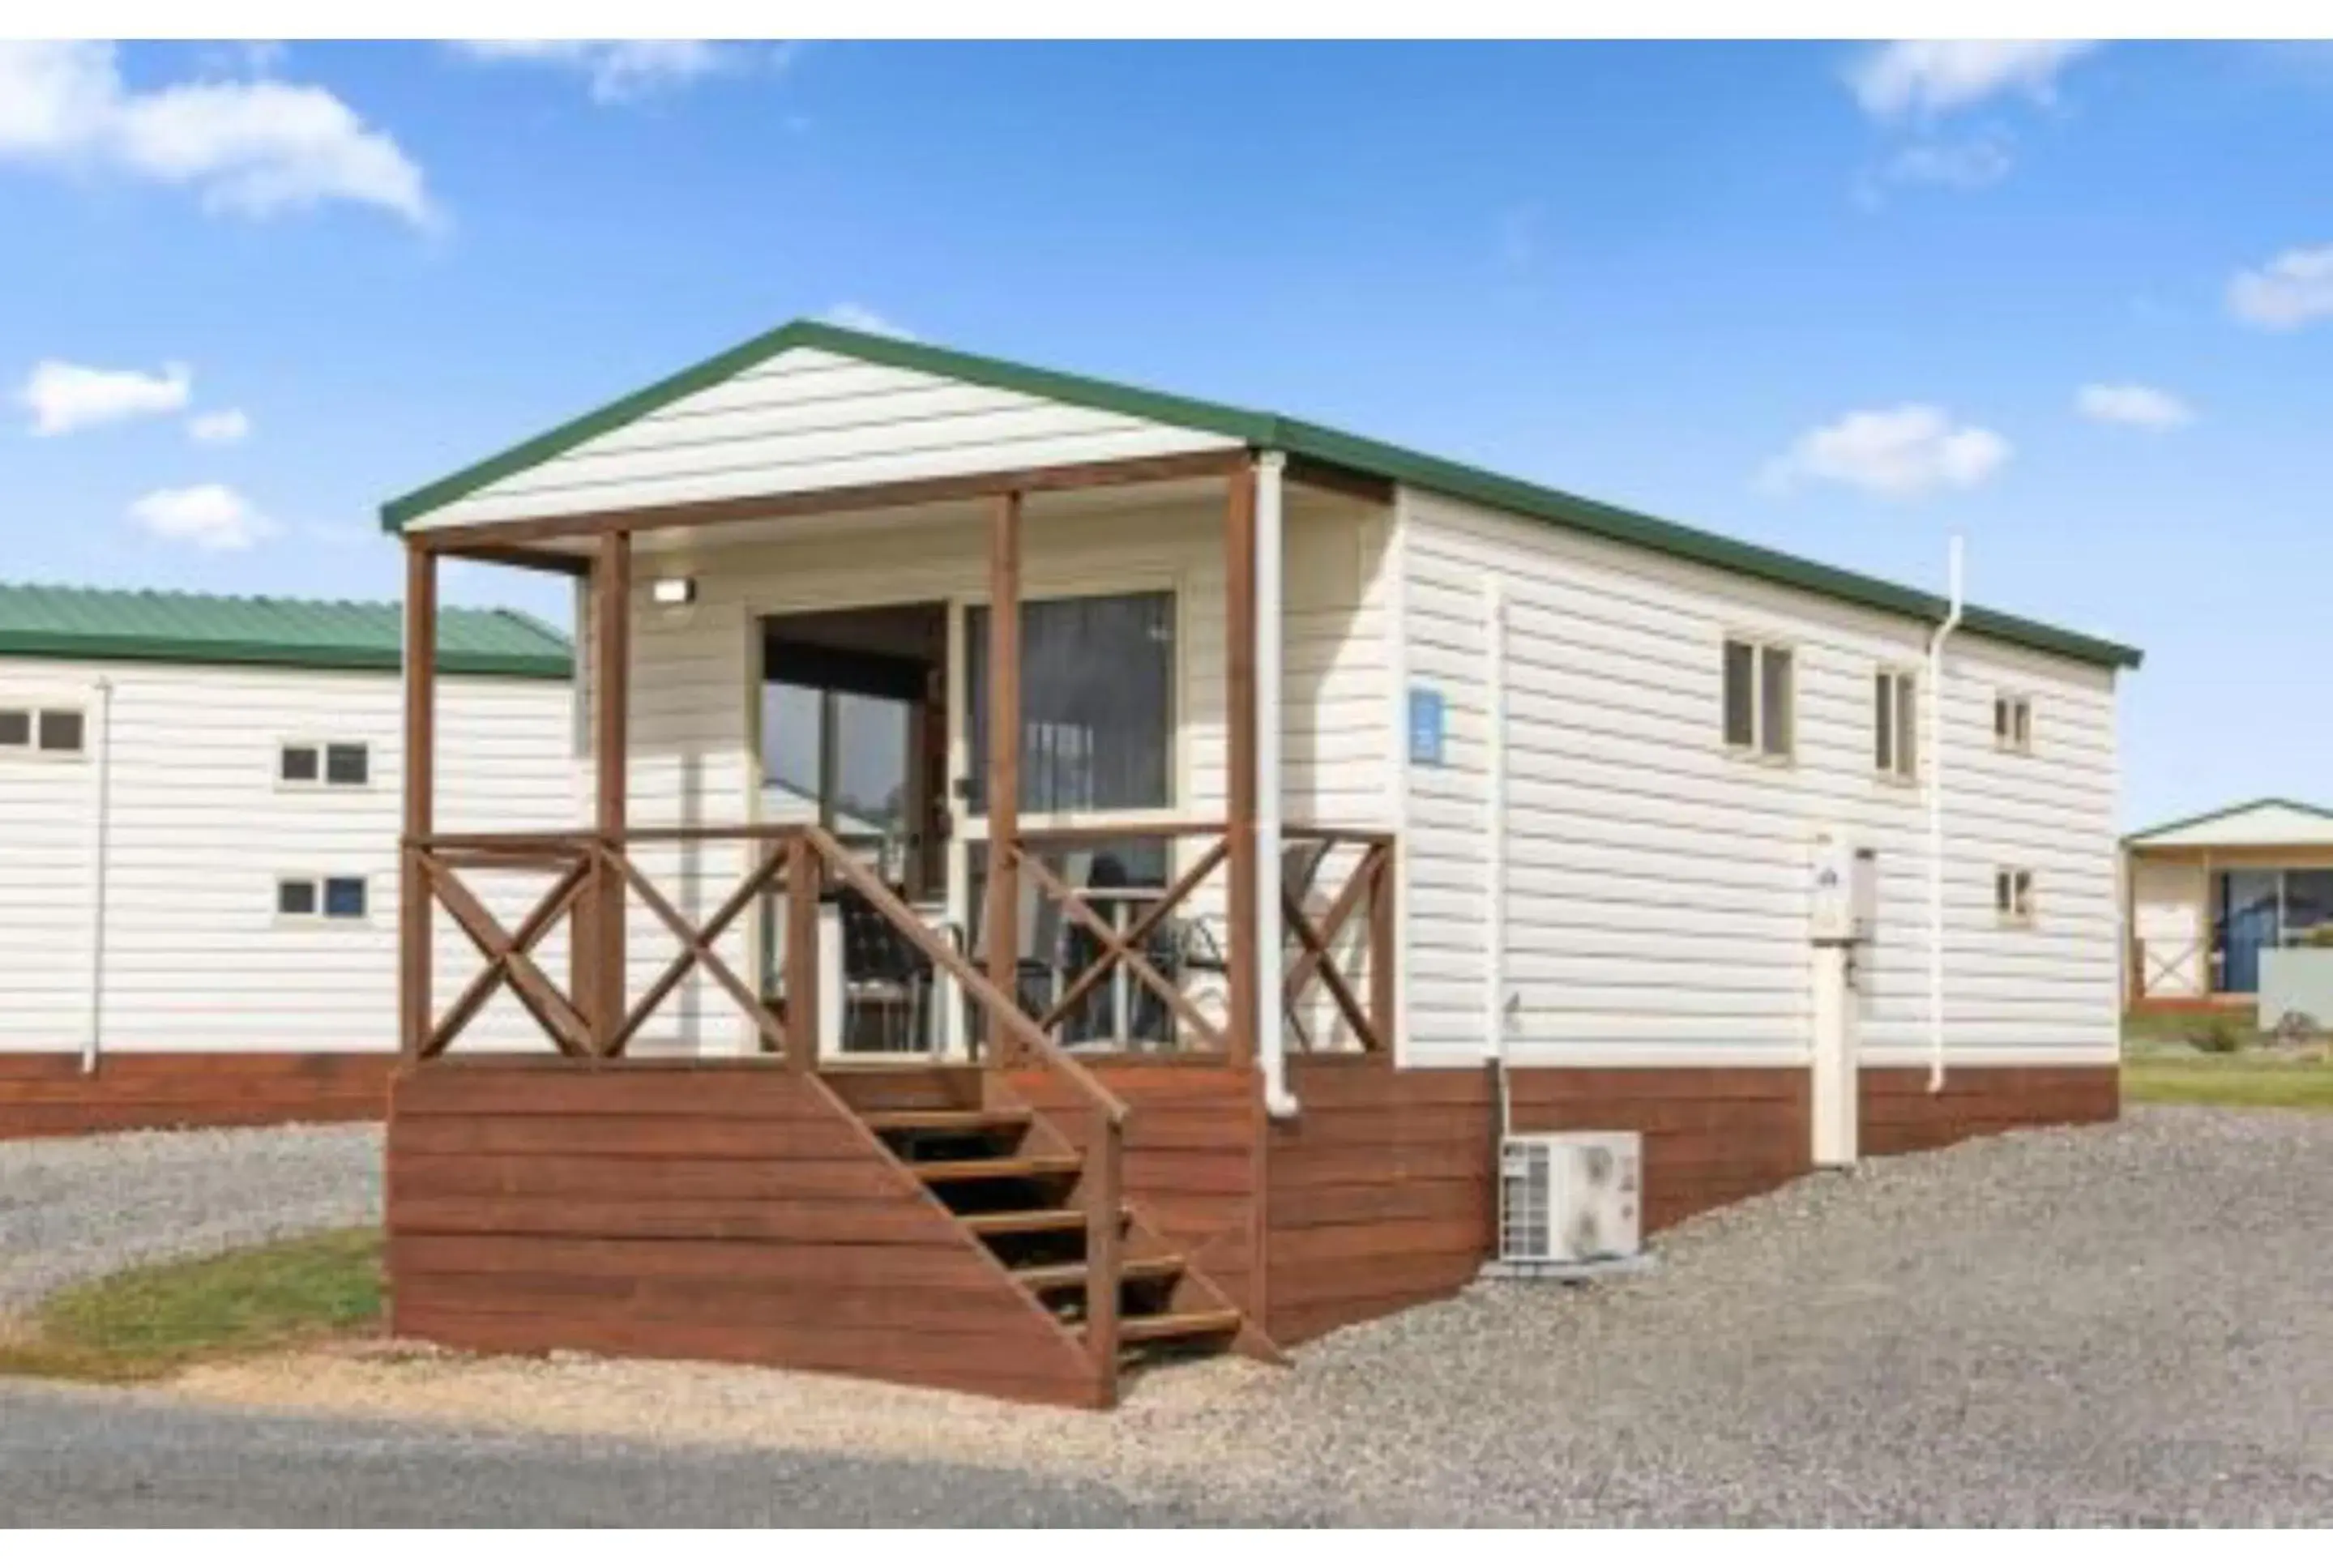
x=601, y=995
x=414, y=995
x=1239, y=719
x=1003, y=920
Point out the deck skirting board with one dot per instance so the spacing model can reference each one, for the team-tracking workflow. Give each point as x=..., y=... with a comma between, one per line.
x=46, y=1094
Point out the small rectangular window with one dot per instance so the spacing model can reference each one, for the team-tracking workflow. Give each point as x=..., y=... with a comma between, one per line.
x=60, y=729
x=1774, y=694
x=16, y=727
x=348, y=764
x=2013, y=723
x=337, y=764
x=1759, y=697
x=295, y=896
x=2013, y=895
x=1740, y=695
x=344, y=898
x=1895, y=724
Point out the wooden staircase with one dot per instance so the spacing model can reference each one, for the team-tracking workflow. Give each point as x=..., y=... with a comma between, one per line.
x=1016, y=1186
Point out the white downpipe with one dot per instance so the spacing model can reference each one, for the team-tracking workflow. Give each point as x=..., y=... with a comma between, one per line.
x=95, y=1043
x=1495, y=828
x=1944, y=630
x=1271, y=1034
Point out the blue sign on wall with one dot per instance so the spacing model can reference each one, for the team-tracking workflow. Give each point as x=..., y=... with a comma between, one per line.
x=1426, y=727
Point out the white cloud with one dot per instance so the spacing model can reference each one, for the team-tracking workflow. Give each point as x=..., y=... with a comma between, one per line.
x=250, y=146
x=66, y=397
x=619, y=71
x=2126, y=403
x=1915, y=77
x=1908, y=451
x=220, y=428
x=857, y=318
x=2291, y=290
x=207, y=516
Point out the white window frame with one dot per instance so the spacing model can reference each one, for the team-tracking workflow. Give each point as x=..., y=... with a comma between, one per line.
x=318, y=883
x=962, y=764
x=30, y=748
x=1902, y=731
x=2013, y=723
x=2013, y=895
x=323, y=779
x=1761, y=647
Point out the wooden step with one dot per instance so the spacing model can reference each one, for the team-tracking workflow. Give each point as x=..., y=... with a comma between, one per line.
x=1154, y=1326
x=1028, y=1221
x=1006, y=1119
x=1055, y=1275
x=1008, y=1168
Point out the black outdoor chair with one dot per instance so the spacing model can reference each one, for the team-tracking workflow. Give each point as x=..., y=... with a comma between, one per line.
x=884, y=973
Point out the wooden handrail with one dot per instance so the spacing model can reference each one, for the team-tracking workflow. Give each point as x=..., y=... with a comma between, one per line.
x=1023, y=1029
x=576, y=850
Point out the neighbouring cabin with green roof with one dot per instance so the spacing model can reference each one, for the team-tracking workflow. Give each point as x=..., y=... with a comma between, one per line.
x=200, y=814
x=2232, y=909
x=1094, y=793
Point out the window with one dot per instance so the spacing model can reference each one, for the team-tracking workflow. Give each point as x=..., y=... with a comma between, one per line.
x=335, y=765
x=344, y=898
x=322, y=898
x=348, y=764
x=1758, y=699
x=1096, y=703
x=2013, y=723
x=56, y=731
x=2013, y=896
x=1895, y=725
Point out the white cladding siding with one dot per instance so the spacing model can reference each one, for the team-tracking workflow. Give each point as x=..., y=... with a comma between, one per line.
x=2167, y=902
x=1656, y=885
x=696, y=710
x=805, y=420
x=196, y=958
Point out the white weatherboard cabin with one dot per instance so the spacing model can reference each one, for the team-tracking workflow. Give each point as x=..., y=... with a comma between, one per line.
x=198, y=815
x=1316, y=754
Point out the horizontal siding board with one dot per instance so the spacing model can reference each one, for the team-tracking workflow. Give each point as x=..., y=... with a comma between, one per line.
x=1656, y=884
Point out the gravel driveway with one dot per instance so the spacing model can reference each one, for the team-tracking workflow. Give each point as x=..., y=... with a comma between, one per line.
x=2128, y=1324
x=73, y=1208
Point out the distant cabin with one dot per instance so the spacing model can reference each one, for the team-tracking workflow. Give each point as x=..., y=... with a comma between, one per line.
x=2232, y=908
x=199, y=818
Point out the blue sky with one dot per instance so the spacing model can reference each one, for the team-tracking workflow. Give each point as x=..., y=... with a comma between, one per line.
x=1840, y=300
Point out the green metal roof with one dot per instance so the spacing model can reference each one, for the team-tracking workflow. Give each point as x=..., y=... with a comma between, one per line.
x=1266, y=431
x=316, y=634
x=2304, y=807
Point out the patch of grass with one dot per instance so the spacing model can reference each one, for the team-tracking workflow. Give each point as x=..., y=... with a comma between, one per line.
x=147, y=1322
x=2229, y=1080
x=2212, y=1033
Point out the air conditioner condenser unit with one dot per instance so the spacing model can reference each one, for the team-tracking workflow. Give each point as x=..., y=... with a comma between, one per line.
x=1570, y=1203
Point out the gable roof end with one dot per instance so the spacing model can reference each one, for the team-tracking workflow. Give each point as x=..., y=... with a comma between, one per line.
x=2265, y=803
x=1266, y=431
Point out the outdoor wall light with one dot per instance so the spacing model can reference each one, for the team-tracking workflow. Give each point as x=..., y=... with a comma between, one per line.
x=675, y=590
